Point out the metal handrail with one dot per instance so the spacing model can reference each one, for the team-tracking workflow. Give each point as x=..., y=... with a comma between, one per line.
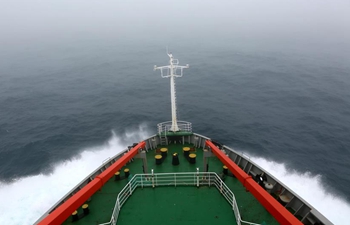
x=166, y=126
x=176, y=179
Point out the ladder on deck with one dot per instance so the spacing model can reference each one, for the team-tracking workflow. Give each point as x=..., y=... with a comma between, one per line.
x=163, y=138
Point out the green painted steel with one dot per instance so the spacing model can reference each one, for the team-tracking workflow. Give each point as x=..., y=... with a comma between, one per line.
x=180, y=205
x=192, y=205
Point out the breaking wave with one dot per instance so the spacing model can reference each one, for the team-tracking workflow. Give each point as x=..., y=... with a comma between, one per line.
x=311, y=188
x=28, y=198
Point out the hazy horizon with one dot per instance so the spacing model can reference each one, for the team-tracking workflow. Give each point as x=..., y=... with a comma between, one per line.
x=200, y=23
x=268, y=78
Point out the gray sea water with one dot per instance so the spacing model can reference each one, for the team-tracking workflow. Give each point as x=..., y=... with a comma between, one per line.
x=288, y=108
x=69, y=100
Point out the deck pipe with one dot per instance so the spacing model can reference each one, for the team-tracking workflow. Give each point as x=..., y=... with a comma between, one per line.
x=175, y=161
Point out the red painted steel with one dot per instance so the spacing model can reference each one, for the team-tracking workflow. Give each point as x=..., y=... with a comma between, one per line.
x=59, y=215
x=110, y=171
x=281, y=214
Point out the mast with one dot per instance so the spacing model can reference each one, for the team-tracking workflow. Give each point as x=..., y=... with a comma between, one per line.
x=171, y=72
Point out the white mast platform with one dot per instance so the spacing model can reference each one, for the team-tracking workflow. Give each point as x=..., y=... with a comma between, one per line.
x=171, y=72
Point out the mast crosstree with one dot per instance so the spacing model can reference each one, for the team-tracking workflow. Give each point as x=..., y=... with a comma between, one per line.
x=172, y=70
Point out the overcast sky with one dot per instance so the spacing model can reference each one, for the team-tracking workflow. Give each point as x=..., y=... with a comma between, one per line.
x=325, y=21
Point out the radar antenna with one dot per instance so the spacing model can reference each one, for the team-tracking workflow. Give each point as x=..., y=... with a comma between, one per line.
x=173, y=70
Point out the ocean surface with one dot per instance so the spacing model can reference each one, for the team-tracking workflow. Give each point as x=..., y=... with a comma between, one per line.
x=68, y=105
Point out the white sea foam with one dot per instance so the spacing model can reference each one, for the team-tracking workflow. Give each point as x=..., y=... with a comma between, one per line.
x=25, y=200
x=310, y=188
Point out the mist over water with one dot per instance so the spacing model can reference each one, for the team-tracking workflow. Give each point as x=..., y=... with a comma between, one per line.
x=269, y=78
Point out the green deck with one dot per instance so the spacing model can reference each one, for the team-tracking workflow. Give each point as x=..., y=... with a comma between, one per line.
x=174, y=205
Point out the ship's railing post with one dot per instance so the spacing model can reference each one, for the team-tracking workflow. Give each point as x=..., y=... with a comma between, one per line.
x=142, y=181
x=236, y=211
x=238, y=219
x=221, y=186
x=233, y=201
x=152, y=178
x=209, y=180
x=130, y=190
x=197, y=177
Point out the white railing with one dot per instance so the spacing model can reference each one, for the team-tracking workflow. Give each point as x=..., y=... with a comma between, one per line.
x=175, y=179
x=166, y=126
